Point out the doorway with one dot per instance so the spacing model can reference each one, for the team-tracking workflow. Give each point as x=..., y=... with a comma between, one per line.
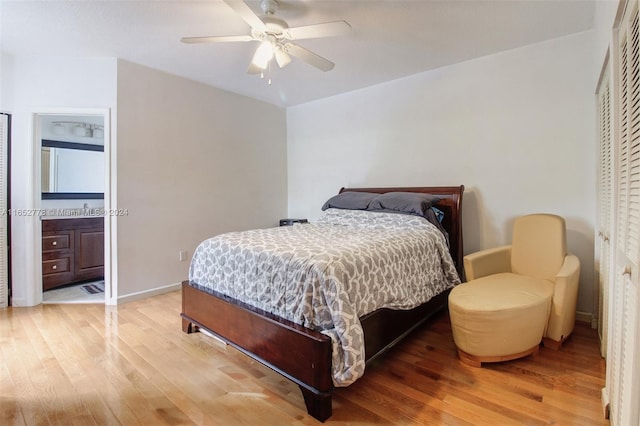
x=72, y=182
x=73, y=248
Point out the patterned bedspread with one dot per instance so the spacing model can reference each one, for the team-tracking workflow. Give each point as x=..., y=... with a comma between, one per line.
x=327, y=274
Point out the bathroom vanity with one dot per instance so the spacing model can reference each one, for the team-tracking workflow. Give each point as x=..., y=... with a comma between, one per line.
x=72, y=251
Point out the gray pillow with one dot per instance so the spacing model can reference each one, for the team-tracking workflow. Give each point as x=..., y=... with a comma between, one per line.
x=404, y=202
x=350, y=200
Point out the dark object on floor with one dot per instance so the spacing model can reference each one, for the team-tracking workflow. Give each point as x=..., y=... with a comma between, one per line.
x=93, y=288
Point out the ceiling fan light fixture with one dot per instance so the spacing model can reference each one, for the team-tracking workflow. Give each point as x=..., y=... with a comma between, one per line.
x=282, y=58
x=263, y=55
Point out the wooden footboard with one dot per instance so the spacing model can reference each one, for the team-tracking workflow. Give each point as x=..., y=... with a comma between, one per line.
x=305, y=360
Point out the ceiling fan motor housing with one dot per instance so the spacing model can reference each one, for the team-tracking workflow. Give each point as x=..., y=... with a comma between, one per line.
x=274, y=25
x=269, y=7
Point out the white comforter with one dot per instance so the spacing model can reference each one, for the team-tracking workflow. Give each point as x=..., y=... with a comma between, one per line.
x=327, y=274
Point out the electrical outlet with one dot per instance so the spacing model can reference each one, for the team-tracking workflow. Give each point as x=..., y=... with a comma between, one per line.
x=183, y=255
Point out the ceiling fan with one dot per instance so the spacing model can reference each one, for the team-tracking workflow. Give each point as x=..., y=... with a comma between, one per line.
x=276, y=38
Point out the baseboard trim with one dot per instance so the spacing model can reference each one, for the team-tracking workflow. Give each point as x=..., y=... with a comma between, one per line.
x=585, y=317
x=19, y=303
x=149, y=293
x=605, y=403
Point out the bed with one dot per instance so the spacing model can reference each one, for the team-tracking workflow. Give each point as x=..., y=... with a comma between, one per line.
x=302, y=353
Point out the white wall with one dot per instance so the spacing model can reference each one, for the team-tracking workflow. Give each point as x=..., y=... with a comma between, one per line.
x=516, y=128
x=43, y=84
x=193, y=161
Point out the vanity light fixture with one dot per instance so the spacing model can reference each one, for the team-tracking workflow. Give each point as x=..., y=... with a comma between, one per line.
x=81, y=130
x=78, y=128
x=58, y=129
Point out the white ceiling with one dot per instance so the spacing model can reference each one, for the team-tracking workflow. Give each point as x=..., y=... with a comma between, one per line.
x=390, y=39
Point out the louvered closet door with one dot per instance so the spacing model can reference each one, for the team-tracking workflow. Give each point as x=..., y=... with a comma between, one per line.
x=4, y=261
x=623, y=375
x=605, y=204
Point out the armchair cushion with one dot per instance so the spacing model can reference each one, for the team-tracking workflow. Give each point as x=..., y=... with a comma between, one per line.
x=539, y=245
x=503, y=314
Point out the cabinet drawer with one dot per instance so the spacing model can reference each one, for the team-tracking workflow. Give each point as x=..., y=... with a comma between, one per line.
x=59, y=241
x=56, y=266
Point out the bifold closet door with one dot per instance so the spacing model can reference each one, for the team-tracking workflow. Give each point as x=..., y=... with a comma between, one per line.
x=623, y=368
x=605, y=203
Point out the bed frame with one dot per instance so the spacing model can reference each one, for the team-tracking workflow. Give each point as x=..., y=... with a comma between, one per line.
x=303, y=355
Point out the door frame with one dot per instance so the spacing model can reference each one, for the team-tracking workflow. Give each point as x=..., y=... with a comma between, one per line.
x=110, y=223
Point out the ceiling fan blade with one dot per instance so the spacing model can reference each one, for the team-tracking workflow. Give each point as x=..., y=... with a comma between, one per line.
x=327, y=29
x=245, y=12
x=282, y=58
x=215, y=39
x=309, y=57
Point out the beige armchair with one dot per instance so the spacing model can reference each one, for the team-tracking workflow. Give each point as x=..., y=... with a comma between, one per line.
x=518, y=295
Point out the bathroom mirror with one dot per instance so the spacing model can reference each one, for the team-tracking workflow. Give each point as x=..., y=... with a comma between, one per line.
x=72, y=170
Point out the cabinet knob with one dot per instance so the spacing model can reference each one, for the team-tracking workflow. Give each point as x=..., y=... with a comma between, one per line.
x=55, y=243
x=54, y=267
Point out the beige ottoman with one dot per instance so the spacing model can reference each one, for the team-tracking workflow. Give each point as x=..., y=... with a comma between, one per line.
x=499, y=317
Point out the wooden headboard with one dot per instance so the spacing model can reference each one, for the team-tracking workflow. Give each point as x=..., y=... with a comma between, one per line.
x=450, y=203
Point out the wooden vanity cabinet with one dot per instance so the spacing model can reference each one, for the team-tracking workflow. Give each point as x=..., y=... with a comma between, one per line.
x=72, y=251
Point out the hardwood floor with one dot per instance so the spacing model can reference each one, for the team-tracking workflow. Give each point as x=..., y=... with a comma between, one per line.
x=91, y=364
